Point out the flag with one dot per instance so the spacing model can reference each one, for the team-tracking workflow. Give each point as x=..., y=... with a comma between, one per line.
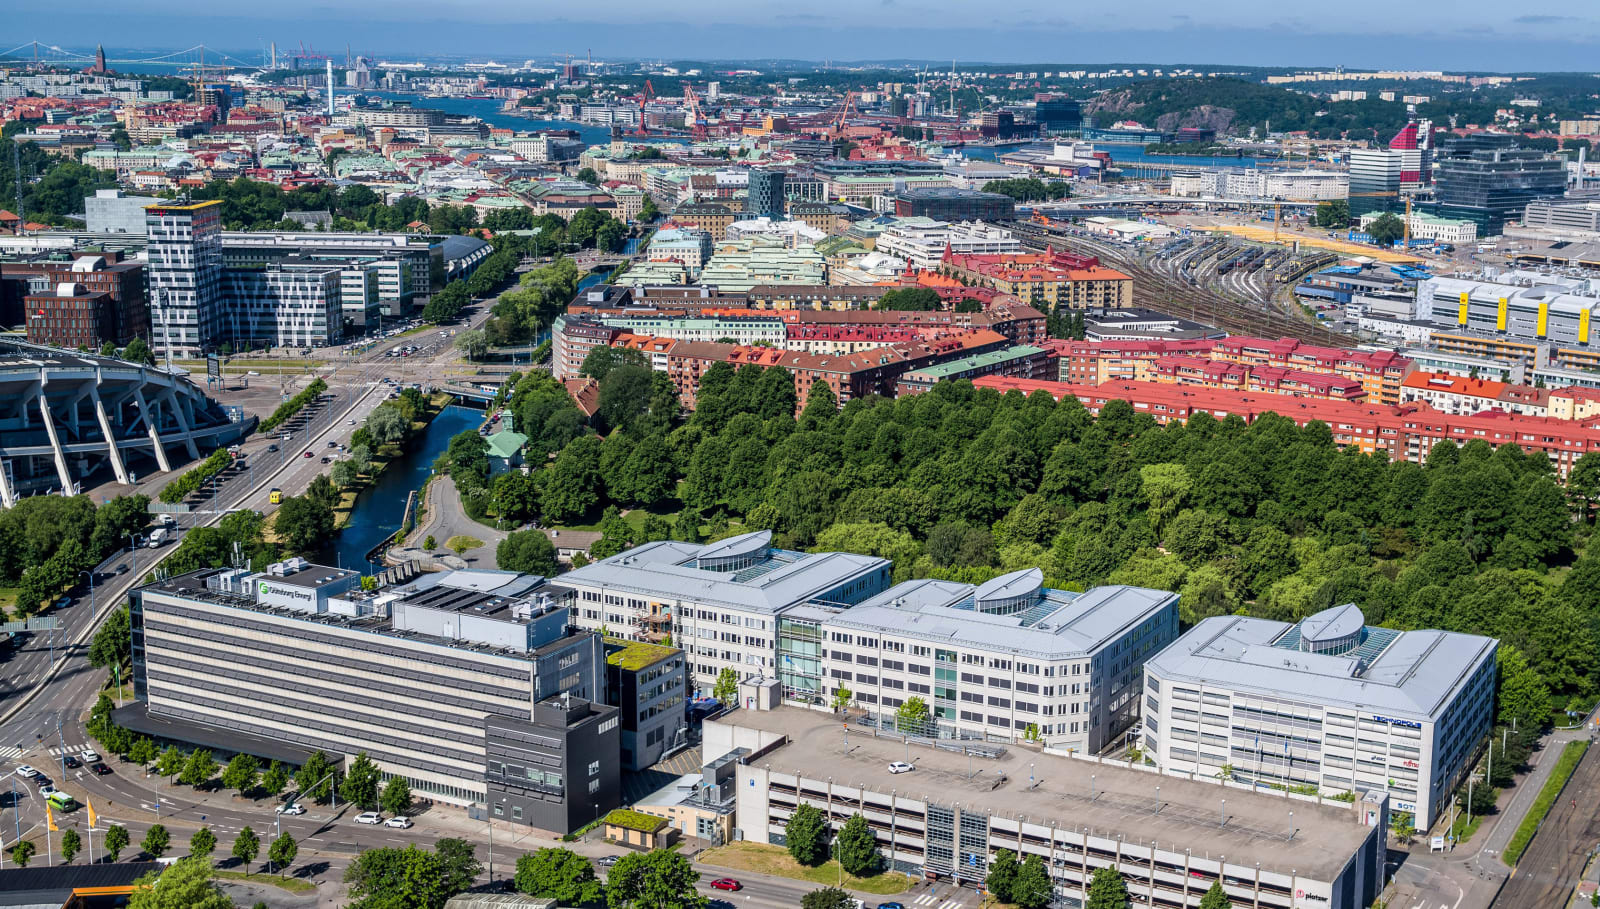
x=50, y=820
x=90, y=806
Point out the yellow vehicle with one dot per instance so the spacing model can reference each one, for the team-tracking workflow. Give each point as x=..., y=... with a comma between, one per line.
x=275, y=496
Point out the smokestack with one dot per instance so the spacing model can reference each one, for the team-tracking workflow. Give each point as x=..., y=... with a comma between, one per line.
x=274, y=55
x=330, y=88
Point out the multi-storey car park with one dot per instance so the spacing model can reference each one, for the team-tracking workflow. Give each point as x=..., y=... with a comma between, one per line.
x=1169, y=835
x=1327, y=702
x=471, y=685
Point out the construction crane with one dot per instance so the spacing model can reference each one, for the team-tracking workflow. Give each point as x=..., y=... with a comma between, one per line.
x=645, y=96
x=845, y=111
x=696, y=116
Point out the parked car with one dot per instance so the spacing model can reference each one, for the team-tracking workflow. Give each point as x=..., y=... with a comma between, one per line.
x=99, y=768
x=291, y=808
x=901, y=767
x=399, y=821
x=606, y=861
x=369, y=817
x=726, y=883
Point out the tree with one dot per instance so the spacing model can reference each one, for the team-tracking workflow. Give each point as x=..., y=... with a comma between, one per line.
x=138, y=351
x=828, y=898
x=558, y=874
x=910, y=299
x=360, y=785
x=387, y=424
x=116, y=840
x=1032, y=888
x=282, y=852
x=1523, y=696
x=1385, y=229
x=186, y=884
x=143, y=751
x=202, y=843
x=304, y=524
x=345, y=474
x=841, y=698
x=241, y=773
x=198, y=769
x=113, y=643
x=653, y=880
x=807, y=835
x=458, y=864
x=1402, y=825
x=528, y=552
x=396, y=798
x=727, y=687
x=274, y=778
x=314, y=779
x=171, y=761
x=601, y=360
x=323, y=491
x=1107, y=890
x=1002, y=877
x=1333, y=214
x=156, y=840
x=71, y=843
x=22, y=853
x=474, y=342
x=912, y=716
x=412, y=877
x=856, y=849
x=246, y=846
x=1216, y=897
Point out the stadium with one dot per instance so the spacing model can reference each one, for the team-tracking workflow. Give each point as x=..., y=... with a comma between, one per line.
x=66, y=416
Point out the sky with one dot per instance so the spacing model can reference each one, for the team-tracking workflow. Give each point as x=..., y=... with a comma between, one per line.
x=1475, y=35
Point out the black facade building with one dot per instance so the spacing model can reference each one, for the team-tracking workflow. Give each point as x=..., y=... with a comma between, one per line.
x=558, y=771
x=1491, y=186
x=949, y=204
x=1059, y=115
x=765, y=198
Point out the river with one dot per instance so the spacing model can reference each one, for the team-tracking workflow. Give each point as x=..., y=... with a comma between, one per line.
x=378, y=511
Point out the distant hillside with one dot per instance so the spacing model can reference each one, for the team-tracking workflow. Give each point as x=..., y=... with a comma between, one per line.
x=1232, y=106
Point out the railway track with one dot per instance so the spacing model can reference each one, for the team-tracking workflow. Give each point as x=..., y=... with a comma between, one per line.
x=1166, y=293
x=1554, y=860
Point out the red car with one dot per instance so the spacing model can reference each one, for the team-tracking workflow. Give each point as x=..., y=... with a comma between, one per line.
x=308, y=454
x=726, y=883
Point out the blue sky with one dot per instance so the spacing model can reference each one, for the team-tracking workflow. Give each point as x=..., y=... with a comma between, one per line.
x=1457, y=35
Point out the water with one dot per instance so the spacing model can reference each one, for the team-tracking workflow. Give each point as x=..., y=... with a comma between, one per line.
x=378, y=511
x=593, y=278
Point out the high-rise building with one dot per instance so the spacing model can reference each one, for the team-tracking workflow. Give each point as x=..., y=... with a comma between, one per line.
x=1058, y=115
x=765, y=197
x=1491, y=186
x=1375, y=180
x=1416, y=154
x=185, y=276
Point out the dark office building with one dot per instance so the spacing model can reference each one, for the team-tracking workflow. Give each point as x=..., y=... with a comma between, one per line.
x=949, y=204
x=559, y=771
x=1491, y=186
x=1058, y=115
x=765, y=198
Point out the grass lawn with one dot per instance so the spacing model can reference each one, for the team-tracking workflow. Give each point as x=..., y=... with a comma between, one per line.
x=291, y=884
x=8, y=597
x=1566, y=764
x=765, y=859
x=461, y=543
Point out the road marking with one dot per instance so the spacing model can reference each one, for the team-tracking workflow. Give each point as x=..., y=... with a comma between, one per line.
x=9, y=753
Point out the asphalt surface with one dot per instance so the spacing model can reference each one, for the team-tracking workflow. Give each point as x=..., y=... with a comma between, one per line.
x=1550, y=868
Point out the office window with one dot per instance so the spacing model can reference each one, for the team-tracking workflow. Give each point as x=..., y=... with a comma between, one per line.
x=594, y=768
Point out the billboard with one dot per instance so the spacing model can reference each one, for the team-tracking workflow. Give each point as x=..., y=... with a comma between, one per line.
x=214, y=367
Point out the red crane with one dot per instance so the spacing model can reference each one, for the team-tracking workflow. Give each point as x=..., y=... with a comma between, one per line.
x=696, y=116
x=645, y=96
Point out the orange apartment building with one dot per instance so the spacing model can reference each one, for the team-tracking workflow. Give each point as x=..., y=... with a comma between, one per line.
x=1046, y=281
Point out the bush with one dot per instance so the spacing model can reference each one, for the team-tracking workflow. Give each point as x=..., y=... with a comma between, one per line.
x=179, y=489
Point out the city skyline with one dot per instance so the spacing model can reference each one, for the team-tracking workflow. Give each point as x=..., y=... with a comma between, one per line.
x=1543, y=38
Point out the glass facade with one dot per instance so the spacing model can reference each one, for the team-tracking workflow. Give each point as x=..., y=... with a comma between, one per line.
x=1492, y=186
x=1060, y=115
x=800, y=660
x=765, y=197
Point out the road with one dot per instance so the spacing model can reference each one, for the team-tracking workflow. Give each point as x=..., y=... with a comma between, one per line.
x=1549, y=869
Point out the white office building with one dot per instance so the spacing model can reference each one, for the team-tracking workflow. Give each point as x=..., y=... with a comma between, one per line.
x=1327, y=702
x=922, y=241
x=720, y=602
x=1007, y=660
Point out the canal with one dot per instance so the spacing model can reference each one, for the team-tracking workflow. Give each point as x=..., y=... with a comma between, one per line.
x=378, y=511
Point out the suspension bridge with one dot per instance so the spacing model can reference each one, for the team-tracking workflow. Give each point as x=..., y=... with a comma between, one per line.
x=42, y=54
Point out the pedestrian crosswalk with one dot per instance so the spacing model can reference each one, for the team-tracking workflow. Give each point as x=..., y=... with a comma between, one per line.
x=10, y=753
x=933, y=901
x=73, y=750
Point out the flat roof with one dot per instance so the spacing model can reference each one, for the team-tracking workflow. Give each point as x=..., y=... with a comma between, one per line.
x=1185, y=813
x=1411, y=673
x=313, y=577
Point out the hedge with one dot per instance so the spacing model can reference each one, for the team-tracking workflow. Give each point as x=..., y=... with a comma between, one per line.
x=179, y=489
x=292, y=406
x=1566, y=764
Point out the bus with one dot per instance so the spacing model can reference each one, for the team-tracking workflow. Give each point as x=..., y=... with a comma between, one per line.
x=62, y=802
x=275, y=497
